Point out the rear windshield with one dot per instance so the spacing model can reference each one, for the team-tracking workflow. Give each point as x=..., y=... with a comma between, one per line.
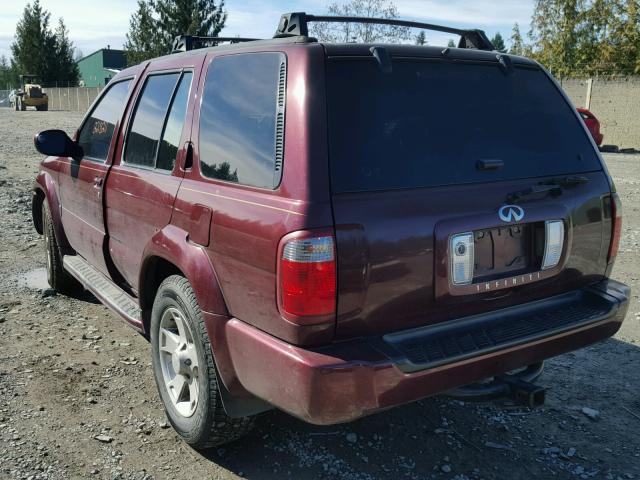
x=431, y=123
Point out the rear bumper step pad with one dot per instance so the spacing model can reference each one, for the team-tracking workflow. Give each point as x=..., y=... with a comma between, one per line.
x=448, y=342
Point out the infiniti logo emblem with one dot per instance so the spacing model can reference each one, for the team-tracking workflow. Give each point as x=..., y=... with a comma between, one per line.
x=511, y=213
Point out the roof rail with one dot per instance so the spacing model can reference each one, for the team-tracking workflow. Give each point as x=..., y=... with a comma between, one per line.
x=184, y=43
x=296, y=23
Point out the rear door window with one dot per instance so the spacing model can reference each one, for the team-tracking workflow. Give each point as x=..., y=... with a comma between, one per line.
x=155, y=132
x=97, y=131
x=242, y=119
x=431, y=123
x=173, y=127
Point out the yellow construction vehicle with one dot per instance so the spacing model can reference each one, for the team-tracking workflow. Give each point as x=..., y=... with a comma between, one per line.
x=30, y=94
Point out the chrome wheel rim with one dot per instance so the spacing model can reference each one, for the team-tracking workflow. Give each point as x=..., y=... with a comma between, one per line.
x=179, y=361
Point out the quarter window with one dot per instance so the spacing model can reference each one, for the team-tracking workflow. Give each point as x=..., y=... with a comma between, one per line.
x=96, y=133
x=242, y=119
x=156, y=128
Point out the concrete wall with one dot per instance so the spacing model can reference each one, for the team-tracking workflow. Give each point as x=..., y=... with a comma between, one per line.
x=615, y=102
x=76, y=99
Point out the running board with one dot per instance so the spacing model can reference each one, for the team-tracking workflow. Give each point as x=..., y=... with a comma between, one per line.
x=104, y=289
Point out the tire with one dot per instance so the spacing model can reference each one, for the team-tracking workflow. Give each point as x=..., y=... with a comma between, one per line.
x=196, y=410
x=42, y=108
x=57, y=276
x=23, y=107
x=16, y=106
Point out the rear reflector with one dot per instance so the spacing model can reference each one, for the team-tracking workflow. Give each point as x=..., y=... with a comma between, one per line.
x=308, y=277
x=616, y=227
x=553, y=244
x=461, y=248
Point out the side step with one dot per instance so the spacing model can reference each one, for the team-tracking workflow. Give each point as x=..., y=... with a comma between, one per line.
x=104, y=289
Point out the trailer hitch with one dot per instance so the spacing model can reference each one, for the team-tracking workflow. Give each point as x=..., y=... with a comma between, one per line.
x=518, y=386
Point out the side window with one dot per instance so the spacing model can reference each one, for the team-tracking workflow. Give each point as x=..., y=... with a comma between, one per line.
x=143, y=138
x=242, y=119
x=173, y=127
x=95, y=135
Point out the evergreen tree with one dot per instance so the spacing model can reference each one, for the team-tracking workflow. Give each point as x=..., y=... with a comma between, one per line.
x=7, y=76
x=143, y=40
x=451, y=44
x=156, y=23
x=65, y=65
x=34, y=45
x=188, y=17
x=421, y=38
x=498, y=42
x=39, y=51
x=517, y=43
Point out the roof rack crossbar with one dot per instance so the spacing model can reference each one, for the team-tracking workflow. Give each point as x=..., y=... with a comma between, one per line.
x=184, y=43
x=296, y=23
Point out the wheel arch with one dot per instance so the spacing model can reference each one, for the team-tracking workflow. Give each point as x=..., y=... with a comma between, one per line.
x=168, y=253
x=44, y=189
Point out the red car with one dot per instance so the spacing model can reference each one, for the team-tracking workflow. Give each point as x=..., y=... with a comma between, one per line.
x=592, y=124
x=296, y=225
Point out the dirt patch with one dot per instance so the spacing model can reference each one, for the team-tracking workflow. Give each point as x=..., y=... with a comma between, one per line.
x=77, y=397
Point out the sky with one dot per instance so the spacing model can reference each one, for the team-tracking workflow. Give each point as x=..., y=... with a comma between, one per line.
x=94, y=24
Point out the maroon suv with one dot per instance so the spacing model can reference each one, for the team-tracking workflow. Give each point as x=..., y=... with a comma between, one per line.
x=334, y=229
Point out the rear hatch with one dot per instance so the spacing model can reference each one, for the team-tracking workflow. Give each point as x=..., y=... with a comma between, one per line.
x=455, y=144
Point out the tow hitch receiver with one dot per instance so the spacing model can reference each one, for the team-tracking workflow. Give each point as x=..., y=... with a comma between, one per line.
x=523, y=392
x=517, y=386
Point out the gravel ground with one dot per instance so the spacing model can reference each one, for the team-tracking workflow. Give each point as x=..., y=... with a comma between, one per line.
x=77, y=398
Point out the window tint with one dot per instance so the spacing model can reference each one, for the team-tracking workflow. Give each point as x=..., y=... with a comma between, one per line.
x=96, y=133
x=173, y=127
x=144, y=134
x=429, y=123
x=242, y=119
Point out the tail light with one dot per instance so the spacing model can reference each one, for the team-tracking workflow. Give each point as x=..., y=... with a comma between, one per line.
x=616, y=227
x=462, y=255
x=307, y=277
x=554, y=241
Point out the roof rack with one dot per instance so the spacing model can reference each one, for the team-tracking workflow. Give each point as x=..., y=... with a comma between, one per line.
x=296, y=23
x=184, y=43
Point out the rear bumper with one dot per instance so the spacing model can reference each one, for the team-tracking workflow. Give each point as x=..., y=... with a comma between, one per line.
x=348, y=380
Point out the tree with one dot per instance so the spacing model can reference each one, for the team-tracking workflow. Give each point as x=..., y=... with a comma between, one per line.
x=451, y=43
x=143, y=40
x=498, y=42
x=7, y=75
x=39, y=51
x=361, y=32
x=517, y=43
x=421, y=38
x=156, y=23
x=189, y=17
x=557, y=31
x=66, y=69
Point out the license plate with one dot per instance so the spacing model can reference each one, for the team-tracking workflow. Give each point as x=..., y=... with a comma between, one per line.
x=503, y=251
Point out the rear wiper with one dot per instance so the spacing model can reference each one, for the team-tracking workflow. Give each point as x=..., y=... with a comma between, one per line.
x=553, y=186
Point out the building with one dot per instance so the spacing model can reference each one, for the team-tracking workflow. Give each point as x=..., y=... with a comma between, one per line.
x=97, y=68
